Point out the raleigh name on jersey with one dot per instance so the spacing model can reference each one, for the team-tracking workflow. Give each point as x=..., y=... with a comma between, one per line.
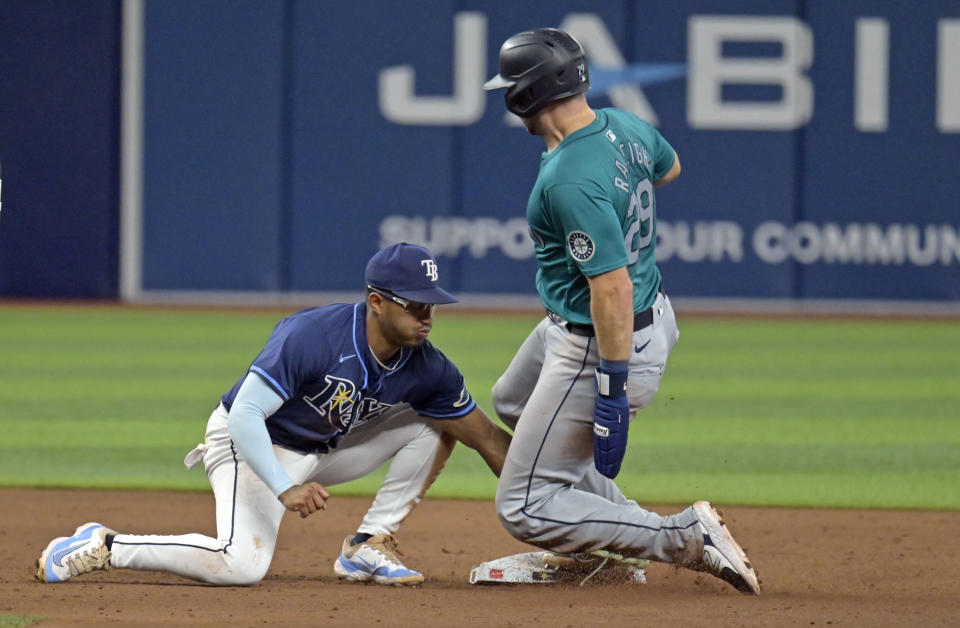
x=319, y=362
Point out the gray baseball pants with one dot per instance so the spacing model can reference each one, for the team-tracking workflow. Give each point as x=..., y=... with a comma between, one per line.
x=549, y=494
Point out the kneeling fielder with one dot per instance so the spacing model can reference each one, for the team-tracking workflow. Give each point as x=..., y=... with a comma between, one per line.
x=337, y=391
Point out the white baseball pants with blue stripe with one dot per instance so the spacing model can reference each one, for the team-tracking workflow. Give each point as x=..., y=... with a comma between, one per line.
x=249, y=515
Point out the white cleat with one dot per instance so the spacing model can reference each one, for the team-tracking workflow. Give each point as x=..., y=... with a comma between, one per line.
x=722, y=555
x=69, y=556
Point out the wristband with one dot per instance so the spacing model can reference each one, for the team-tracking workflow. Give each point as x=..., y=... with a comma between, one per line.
x=612, y=382
x=614, y=365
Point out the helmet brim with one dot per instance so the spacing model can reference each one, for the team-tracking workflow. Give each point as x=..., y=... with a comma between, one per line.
x=498, y=82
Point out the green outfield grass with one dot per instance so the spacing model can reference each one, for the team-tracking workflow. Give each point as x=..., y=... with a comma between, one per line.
x=18, y=621
x=763, y=412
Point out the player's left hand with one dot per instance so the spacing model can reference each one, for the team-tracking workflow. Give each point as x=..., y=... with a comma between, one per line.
x=611, y=420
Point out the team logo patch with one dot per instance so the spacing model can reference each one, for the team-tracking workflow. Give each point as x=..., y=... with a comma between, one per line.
x=464, y=398
x=336, y=401
x=581, y=246
x=431, y=269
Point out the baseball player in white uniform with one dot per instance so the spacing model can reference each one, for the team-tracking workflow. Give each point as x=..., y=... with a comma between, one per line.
x=336, y=392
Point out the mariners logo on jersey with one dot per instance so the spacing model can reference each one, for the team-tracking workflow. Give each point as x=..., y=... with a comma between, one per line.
x=581, y=246
x=336, y=401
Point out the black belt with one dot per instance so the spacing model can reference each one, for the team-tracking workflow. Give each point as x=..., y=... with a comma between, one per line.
x=640, y=320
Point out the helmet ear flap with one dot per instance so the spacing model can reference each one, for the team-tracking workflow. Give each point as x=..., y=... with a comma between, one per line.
x=524, y=98
x=518, y=100
x=537, y=90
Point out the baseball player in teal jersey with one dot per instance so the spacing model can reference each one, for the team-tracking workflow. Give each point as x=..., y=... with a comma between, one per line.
x=599, y=354
x=336, y=391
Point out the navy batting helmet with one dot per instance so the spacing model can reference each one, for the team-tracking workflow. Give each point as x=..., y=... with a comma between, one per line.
x=538, y=67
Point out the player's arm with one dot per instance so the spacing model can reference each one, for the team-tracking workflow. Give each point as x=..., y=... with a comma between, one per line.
x=255, y=401
x=672, y=173
x=478, y=432
x=586, y=208
x=611, y=308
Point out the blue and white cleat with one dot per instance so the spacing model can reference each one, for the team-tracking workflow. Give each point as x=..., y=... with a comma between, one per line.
x=375, y=559
x=69, y=556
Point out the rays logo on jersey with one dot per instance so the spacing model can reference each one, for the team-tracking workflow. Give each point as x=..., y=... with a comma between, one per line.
x=336, y=402
x=581, y=246
x=370, y=409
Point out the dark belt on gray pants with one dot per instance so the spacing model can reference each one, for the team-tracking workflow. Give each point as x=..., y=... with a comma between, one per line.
x=640, y=320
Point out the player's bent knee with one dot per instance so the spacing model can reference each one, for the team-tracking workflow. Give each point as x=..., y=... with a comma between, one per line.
x=528, y=519
x=242, y=577
x=524, y=527
x=497, y=393
x=507, y=410
x=512, y=524
x=511, y=515
x=496, y=396
x=242, y=570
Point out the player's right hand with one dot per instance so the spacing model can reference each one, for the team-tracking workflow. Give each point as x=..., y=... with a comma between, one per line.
x=611, y=420
x=305, y=498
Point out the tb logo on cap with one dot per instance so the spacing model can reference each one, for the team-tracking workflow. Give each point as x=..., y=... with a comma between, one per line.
x=431, y=269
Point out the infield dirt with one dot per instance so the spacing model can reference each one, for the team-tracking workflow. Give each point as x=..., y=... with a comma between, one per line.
x=818, y=567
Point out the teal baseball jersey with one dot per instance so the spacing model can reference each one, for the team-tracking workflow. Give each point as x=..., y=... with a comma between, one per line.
x=592, y=210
